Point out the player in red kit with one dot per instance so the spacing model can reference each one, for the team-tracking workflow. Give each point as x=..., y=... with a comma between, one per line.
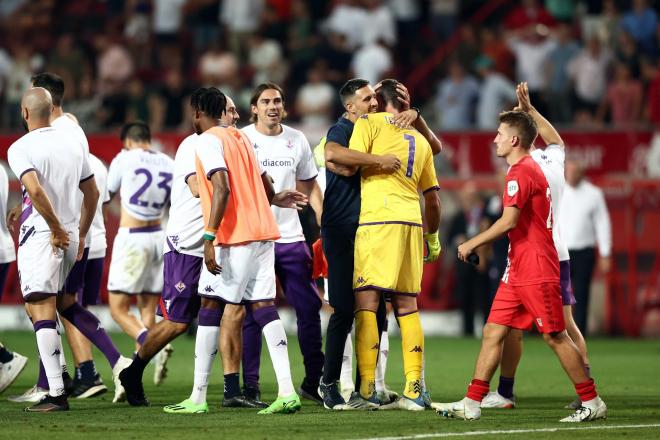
x=529, y=292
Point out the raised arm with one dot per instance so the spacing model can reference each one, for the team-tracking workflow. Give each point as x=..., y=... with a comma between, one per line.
x=547, y=132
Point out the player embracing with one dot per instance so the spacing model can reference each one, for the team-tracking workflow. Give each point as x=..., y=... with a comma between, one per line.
x=529, y=292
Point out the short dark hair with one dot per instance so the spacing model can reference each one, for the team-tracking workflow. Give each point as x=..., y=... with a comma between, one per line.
x=51, y=82
x=348, y=90
x=387, y=94
x=259, y=90
x=524, y=123
x=137, y=131
x=210, y=101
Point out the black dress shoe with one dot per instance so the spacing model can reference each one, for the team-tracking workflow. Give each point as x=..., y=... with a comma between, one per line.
x=243, y=402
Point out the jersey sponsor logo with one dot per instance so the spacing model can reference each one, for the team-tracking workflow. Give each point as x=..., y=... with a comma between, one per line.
x=278, y=162
x=180, y=286
x=512, y=188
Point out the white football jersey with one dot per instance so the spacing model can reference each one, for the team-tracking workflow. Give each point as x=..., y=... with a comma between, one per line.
x=144, y=181
x=66, y=123
x=60, y=165
x=98, y=244
x=286, y=158
x=185, y=226
x=7, y=252
x=551, y=160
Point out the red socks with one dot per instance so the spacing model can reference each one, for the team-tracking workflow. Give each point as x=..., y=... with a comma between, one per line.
x=477, y=390
x=586, y=390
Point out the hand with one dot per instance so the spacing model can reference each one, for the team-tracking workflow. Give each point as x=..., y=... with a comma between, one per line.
x=12, y=217
x=290, y=199
x=402, y=94
x=464, y=251
x=405, y=119
x=524, y=102
x=389, y=163
x=81, y=247
x=432, y=243
x=59, y=239
x=209, y=258
x=605, y=264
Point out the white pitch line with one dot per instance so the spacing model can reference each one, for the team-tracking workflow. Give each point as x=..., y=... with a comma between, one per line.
x=512, y=431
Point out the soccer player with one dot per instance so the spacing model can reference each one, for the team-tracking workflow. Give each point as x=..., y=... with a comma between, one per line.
x=238, y=250
x=340, y=222
x=49, y=163
x=390, y=218
x=529, y=291
x=144, y=179
x=551, y=161
x=286, y=155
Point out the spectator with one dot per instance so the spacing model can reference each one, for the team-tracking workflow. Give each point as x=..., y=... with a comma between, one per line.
x=167, y=20
x=221, y=69
x=497, y=93
x=444, y=17
x=642, y=23
x=380, y=24
x=17, y=82
x=531, y=49
x=372, y=62
x=85, y=104
x=457, y=94
x=339, y=57
x=559, y=85
x=468, y=48
x=603, y=21
x=528, y=14
x=349, y=19
x=316, y=98
x=114, y=64
x=588, y=71
x=584, y=224
x=241, y=19
x=302, y=40
x=495, y=48
x=265, y=56
x=651, y=75
x=67, y=60
x=170, y=110
x=623, y=98
x=627, y=52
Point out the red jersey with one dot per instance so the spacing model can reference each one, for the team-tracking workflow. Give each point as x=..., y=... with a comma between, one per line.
x=532, y=257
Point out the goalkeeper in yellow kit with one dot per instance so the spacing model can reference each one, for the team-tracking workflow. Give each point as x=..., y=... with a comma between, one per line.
x=389, y=244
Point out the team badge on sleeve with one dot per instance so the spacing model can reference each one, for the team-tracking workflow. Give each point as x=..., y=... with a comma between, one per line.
x=512, y=188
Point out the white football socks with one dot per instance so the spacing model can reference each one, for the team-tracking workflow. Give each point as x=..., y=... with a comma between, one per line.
x=279, y=355
x=50, y=349
x=206, y=348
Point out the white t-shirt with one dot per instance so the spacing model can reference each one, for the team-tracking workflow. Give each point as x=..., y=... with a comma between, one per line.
x=144, y=179
x=98, y=244
x=7, y=252
x=287, y=158
x=60, y=165
x=66, y=123
x=551, y=161
x=185, y=226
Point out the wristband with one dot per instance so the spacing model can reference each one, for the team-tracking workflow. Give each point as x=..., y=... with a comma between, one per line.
x=209, y=236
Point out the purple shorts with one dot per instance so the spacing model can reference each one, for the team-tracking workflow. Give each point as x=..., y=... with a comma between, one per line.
x=567, y=297
x=76, y=279
x=90, y=292
x=180, y=302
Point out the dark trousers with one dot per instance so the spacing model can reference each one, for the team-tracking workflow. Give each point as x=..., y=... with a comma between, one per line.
x=472, y=292
x=582, y=269
x=339, y=248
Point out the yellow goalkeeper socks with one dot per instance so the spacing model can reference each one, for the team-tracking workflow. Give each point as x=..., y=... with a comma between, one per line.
x=366, y=349
x=412, y=342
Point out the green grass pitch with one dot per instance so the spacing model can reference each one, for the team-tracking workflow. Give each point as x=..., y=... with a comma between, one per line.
x=627, y=373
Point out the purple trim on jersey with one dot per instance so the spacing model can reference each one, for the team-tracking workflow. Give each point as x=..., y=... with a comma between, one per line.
x=311, y=178
x=382, y=289
x=44, y=323
x=26, y=171
x=567, y=297
x=26, y=236
x=27, y=212
x=87, y=178
x=185, y=179
x=433, y=188
x=38, y=296
x=214, y=170
x=394, y=222
x=180, y=302
x=153, y=228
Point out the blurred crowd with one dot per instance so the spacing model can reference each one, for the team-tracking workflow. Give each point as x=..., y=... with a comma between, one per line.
x=588, y=62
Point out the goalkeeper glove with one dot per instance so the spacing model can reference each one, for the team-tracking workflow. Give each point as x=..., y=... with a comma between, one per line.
x=432, y=244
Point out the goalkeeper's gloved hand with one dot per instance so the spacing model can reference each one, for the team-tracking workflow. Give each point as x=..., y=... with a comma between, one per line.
x=432, y=244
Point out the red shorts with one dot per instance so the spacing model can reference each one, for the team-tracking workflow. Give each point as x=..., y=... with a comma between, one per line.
x=521, y=306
